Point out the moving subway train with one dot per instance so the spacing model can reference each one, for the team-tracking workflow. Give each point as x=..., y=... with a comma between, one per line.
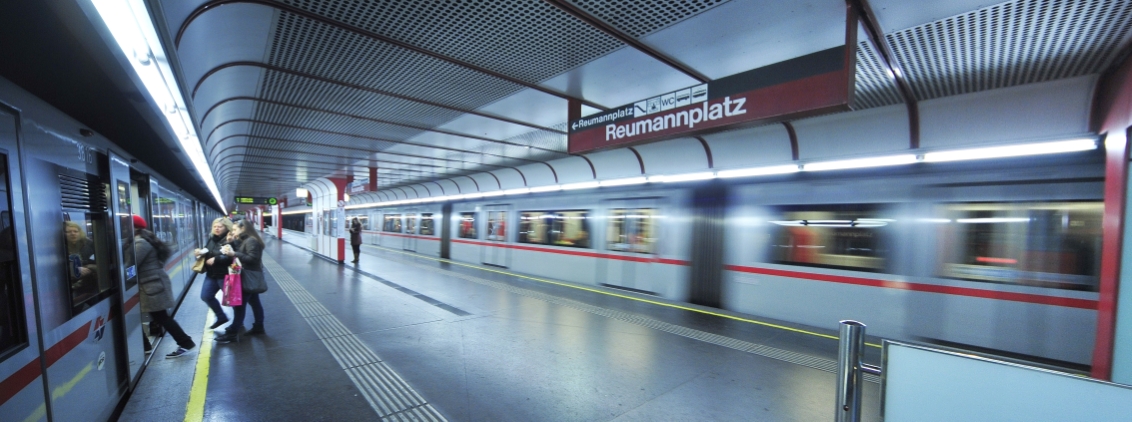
x=1001, y=256
x=70, y=325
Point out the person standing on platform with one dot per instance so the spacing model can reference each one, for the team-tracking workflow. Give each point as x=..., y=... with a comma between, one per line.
x=155, y=288
x=248, y=247
x=356, y=238
x=216, y=267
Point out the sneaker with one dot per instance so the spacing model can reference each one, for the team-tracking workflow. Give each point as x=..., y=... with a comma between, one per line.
x=181, y=351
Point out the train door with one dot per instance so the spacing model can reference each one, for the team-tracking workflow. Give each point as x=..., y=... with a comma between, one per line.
x=20, y=347
x=630, y=236
x=495, y=251
x=121, y=186
x=409, y=242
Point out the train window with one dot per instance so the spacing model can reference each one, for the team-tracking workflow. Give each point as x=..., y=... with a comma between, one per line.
x=632, y=230
x=296, y=222
x=392, y=223
x=532, y=226
x=468, y=225
x=497, y=226
x=410, y=223
x=1053, y=244
x=561, y=228
x=87, y=261
x=427, y=224
x=13, y=325
x=847, y=236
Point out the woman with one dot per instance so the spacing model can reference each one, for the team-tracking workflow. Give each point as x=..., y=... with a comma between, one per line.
x=155, y=287
x=216, y=267
x=248, y=247
x=356, y=238
x=80, y=254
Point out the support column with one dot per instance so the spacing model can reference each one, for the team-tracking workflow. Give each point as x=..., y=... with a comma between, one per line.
x=340, y=184
x=372, y=179
x=1112, y=117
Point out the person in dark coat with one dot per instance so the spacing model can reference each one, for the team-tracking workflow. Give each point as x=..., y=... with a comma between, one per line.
x=248, y=247
x=216, y=267
x=356, y=238
x=154, y=287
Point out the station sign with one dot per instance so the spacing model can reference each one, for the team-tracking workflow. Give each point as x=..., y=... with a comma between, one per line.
x=256, y=200
x=815, y=83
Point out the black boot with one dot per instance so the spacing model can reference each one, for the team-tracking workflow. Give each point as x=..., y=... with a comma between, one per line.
x=220, y=320
x=257, y=328
x=230, y=335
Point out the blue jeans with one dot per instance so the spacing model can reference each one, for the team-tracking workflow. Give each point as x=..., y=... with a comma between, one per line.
x=242, y=310
x=208, y=295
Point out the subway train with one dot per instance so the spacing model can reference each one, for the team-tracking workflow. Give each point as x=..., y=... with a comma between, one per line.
x=70, y=325
x=1000, y=256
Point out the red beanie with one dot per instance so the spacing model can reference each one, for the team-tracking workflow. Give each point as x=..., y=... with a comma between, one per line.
x=139, y=223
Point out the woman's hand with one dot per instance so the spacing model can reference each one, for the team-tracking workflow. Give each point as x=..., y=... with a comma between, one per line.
x=210, y=261
x=230, y=252
x=84, y=271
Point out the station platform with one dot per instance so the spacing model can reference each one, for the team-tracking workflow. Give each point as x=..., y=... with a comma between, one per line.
x=400, y=336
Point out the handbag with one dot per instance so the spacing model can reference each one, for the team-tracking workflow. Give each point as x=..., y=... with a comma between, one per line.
x=253, y=281
x=233, y=287
x=198, y=267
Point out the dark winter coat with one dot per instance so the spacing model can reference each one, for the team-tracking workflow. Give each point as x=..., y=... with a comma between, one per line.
x=219, y=267
x=155, y=288
x=250, y=252
x=356, y=234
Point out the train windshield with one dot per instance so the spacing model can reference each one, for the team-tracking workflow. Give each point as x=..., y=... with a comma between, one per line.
x=1053, y=244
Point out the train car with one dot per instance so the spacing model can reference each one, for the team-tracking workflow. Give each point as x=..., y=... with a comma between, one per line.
x=71, y=328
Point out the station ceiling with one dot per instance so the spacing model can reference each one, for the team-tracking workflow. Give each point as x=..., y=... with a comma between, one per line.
x=287, y=91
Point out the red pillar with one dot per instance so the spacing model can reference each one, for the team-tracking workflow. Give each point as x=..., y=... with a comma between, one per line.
x=340, y=184
x=1112, y=116
x=373, y=179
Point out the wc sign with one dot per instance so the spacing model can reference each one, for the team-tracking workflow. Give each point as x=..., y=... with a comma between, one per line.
x=818, y=82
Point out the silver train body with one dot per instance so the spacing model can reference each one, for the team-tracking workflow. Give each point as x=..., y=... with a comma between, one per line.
x=71, y=334
x=1001, y=256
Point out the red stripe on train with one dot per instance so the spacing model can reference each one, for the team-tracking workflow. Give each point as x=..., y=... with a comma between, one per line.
x=929, y=288
x=16, y=383
x=133, y=301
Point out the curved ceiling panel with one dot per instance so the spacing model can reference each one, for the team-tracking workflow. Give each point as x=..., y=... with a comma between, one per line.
x=208, y=42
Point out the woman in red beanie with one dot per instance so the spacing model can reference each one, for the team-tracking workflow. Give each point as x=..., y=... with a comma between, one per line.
x=155, y=287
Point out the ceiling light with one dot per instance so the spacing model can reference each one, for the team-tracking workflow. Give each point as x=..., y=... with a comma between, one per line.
x=581, y=185
x=550, y=188
x=891, y=160
x=759, y=171
x=992, y=220
x=128, y=22
x=494, y=193
x=624, y=182
x=518, y=191
x=1012, y=150
x=682, y=177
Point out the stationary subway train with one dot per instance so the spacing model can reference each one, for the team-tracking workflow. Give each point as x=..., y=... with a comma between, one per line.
x=70, y=325
x=1001, y=255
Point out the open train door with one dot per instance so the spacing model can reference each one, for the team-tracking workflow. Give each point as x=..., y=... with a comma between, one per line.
x=121, y=210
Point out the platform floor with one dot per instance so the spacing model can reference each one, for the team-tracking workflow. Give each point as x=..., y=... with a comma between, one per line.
x=404, y=337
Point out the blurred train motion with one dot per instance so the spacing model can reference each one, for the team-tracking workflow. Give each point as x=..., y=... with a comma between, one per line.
x=1001, y=256
x=70, y=325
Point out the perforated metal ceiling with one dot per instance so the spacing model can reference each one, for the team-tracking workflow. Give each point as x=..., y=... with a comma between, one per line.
x=1012, y=43
x=337, y=93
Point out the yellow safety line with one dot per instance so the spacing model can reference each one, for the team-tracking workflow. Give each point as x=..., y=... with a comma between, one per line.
x=194, y=411
x=669, y=305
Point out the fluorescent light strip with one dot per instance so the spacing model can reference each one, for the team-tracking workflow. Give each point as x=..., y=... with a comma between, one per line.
x=688, y=177
x=992, y=220
x=550, y=188
x=518, y=191
x=891, y=160
x=129, y=23
x=624, y=182
x=1012, y=151
x=582, y=185
x=759, y=171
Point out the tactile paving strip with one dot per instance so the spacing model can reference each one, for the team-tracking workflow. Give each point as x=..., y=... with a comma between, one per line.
x=796, y=358
x=387, y=393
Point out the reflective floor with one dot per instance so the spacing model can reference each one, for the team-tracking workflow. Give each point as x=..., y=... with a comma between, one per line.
x=401, y=337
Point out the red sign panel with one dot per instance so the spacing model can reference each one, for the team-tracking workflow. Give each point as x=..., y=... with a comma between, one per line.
x=811, y=84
